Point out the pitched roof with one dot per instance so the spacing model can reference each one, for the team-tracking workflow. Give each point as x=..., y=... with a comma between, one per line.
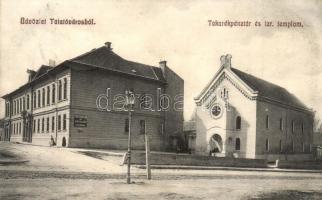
x=41, y=71
x=105, y=58
x=269, y=90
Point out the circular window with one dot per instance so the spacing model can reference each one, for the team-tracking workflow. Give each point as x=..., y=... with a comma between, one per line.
x=216, y=111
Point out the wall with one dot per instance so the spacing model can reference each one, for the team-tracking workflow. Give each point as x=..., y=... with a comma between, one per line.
x=174, y=115
x=195, y=160
x=106, y=128
x=286, y=136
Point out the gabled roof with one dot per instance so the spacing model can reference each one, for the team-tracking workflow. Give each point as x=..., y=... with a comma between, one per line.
x=105, y=58
x=269, y=90
x=259, y=88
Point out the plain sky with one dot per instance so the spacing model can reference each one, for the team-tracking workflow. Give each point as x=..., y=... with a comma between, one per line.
x=176, y=31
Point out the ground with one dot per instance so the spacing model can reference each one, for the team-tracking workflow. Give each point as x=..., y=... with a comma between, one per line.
x=59, y=173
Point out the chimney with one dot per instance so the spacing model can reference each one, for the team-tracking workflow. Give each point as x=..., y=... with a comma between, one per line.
x=162, y=65
x=52, y=63
x=225, y=60
x=108, y=45
x=31, y=74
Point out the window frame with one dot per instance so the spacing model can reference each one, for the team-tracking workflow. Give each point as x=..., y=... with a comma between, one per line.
x=238, y=123
x=237, y=144
x=267, y=122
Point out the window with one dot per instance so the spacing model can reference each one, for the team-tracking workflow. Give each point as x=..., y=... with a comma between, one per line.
x=42, y=125
x=34, y=99
x=161, y=129
x=281, y=146
x=28, y=102
x=64, y=122
x=145, y=102
x=59, y=123
x=65, y=88
x=34, y=126
x=47, y=125
x=224, y=93
x=20, y=105
x=237, y=145
x=216, y=111
x=267, y=145
x=292, y=146
x=48, y=95
x=126, y=125
x=43, y=97
x=281, y=124
x=38, y=126
x=59, y=90
x=38, y=99
x=267, y=121
x=303, y=147
x=293, y=126
x=6, y=112
x=53, y=98
x=142, y=126
x=14, y=107
x=302, y=127
x=23, y=103
x=53, y=123
x=19, y=127
x=238, y=123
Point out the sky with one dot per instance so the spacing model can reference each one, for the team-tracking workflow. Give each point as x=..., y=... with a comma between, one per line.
x=176, y=31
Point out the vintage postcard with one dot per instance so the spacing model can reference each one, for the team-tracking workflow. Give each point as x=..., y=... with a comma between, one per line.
x=173, y=99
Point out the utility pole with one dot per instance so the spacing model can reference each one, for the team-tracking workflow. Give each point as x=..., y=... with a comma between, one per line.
x=130, y=98
x=128, y=177
x=147, y=157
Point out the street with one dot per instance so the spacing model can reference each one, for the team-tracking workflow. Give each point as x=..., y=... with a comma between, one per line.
x=93, y=178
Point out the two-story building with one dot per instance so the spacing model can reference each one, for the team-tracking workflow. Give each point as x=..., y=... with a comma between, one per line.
x=244, y=116
x=81, y=103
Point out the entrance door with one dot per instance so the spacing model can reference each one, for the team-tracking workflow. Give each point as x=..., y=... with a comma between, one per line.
x=215, y=144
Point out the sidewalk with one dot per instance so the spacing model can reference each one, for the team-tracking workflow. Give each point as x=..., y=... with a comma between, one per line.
x=184, y=167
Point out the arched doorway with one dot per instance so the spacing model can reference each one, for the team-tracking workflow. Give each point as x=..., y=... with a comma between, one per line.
x=215, y=143
x=64, y=142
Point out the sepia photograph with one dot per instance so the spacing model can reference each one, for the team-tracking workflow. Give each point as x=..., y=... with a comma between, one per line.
x=174, y=99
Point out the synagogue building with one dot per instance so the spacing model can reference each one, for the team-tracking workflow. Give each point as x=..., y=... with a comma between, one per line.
x=240, y=115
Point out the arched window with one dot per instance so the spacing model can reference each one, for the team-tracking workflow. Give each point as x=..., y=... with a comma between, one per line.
x=281, y=146
x=238, y=123
x=237, y=145
x=293, y=126
x=267, y=145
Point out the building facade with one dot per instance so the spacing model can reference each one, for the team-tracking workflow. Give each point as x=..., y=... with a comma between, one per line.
x=81, y=103
x=240, y=115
